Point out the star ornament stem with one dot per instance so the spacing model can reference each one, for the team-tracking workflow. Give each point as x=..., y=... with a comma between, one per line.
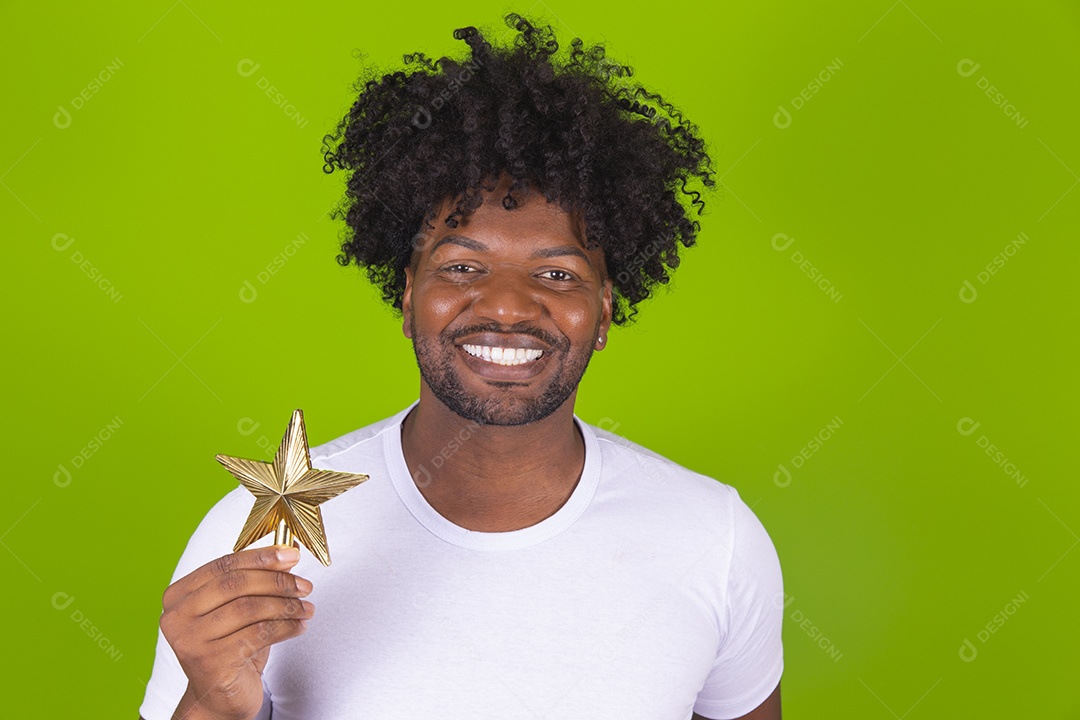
x=288, y=493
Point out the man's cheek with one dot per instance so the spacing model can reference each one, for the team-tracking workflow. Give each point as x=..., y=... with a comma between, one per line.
x=445, y=305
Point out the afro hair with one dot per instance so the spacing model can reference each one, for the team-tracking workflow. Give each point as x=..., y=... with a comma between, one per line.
x=574, y=128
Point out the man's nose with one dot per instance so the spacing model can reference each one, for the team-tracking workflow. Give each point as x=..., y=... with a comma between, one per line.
x=506, y=298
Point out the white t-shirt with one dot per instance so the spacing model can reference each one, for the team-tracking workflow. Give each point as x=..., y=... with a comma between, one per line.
x=651, y=593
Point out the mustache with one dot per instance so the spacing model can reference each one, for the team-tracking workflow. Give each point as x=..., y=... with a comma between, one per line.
x=559, y=343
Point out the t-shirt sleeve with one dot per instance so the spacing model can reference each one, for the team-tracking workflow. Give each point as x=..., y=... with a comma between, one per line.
x=213, y=538
x=750, y=659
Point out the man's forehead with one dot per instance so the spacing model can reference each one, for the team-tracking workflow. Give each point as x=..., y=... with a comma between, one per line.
x=533, y=221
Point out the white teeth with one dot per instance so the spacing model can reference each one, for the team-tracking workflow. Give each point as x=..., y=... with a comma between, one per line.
x=503, y=356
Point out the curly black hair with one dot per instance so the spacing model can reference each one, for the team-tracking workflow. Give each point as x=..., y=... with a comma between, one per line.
x=575, y=129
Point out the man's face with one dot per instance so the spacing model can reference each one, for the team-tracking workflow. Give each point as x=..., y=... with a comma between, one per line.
x=506, y=309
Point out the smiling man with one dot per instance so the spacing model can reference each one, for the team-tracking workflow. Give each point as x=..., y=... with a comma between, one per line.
x=505, y=559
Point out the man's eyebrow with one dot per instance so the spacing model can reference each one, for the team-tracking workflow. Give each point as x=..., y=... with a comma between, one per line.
x=561, y=251
x=471, y=244
x=461, y=240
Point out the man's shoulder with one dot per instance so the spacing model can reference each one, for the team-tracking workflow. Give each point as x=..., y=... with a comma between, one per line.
x=642, y=465
x=682, y=507
x=356, y=442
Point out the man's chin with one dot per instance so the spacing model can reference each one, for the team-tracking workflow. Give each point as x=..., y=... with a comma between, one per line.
x=502, y=411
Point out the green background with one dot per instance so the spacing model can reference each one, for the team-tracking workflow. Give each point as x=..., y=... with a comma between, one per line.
x=179, y=180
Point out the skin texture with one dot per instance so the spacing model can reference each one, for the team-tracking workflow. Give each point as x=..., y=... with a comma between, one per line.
x=521, y=277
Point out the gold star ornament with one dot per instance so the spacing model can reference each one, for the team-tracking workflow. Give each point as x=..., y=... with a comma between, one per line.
x=288, y=493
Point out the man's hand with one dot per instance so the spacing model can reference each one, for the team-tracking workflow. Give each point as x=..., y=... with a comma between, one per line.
x=221, y=621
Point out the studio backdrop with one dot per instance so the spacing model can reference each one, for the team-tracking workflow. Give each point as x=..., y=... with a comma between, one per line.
x=874, y=341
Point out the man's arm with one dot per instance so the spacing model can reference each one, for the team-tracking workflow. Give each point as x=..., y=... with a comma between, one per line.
x=768, y=710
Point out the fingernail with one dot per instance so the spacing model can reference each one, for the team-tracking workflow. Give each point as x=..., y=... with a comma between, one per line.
x=303, y=585
x=288, y=554
x=308, y=607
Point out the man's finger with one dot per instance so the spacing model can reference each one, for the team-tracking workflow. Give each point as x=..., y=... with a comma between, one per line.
x=246, y=644
x=250, y=610
x=275, y=557
x=218, y=591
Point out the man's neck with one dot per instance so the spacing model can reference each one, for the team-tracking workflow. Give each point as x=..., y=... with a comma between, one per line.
x=492, y=478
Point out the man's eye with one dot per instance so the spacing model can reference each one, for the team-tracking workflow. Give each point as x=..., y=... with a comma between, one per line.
x=557, y=275
x=458, y=268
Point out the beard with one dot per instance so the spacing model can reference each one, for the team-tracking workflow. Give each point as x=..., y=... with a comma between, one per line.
x=436, y=357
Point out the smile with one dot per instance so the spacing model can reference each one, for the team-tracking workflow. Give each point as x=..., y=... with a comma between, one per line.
x=503, y=356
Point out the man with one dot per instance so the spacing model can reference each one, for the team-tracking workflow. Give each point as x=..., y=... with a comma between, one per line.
x=504, y=559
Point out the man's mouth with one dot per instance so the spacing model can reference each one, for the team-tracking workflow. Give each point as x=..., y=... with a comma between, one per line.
x=503, y=355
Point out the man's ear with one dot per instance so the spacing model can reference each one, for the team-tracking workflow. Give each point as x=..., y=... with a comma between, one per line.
x=605, y=317
x=406, y=303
